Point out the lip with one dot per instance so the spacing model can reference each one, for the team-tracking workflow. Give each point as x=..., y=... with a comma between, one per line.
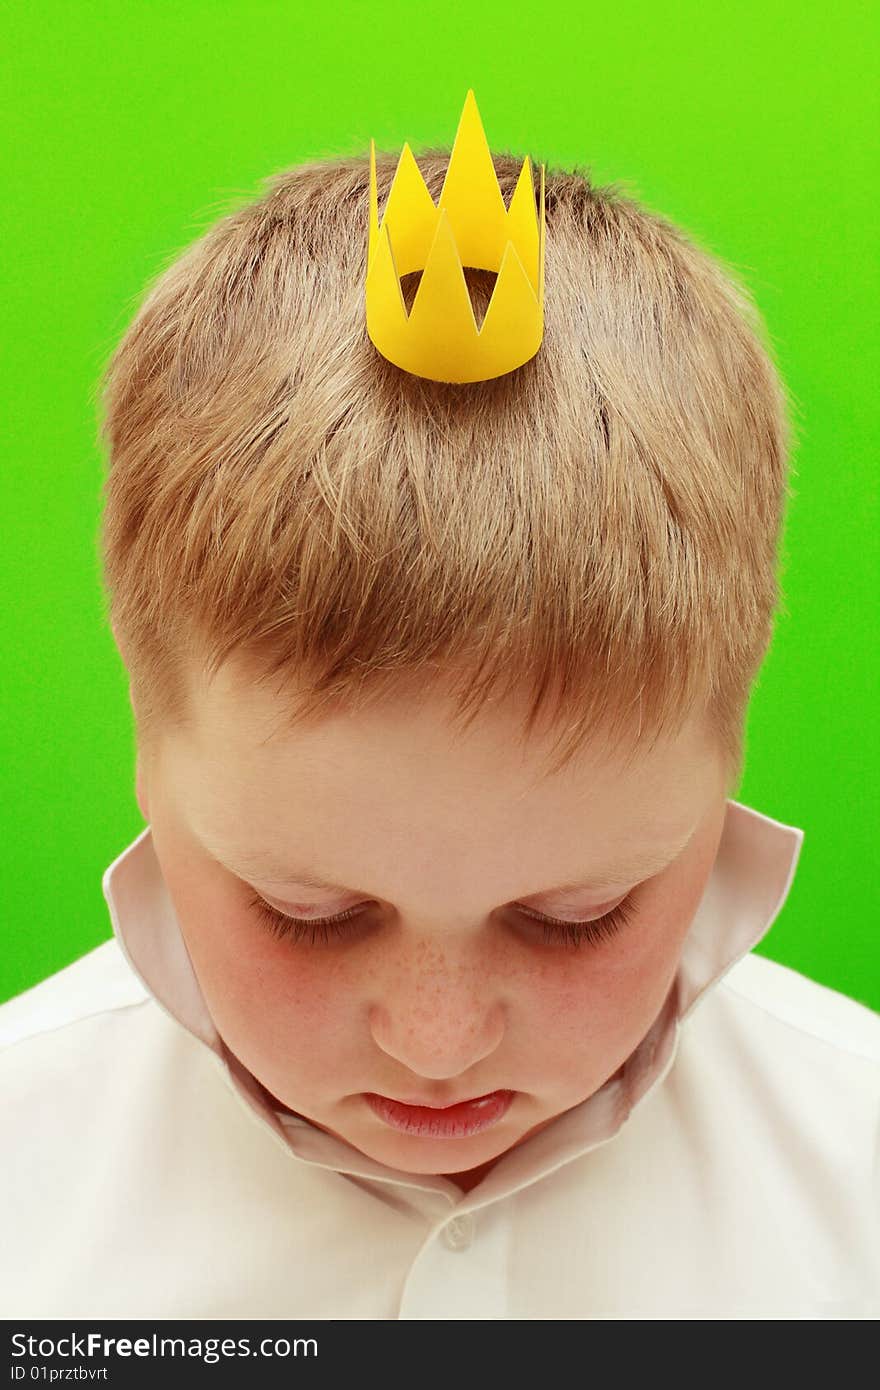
x=442, y=1122
x=419, y=1104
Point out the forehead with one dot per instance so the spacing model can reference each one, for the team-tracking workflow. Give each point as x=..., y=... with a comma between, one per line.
x=240, y=725
x=396, y=787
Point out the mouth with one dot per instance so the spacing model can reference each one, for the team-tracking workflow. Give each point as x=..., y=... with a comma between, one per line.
x=456, y=1121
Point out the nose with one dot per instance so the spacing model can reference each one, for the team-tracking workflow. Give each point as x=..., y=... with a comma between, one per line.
x=438, y=1035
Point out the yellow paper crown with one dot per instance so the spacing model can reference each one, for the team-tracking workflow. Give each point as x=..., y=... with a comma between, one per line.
x=439, y=338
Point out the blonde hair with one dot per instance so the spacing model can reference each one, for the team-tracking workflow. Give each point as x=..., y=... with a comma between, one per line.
x=599, y=526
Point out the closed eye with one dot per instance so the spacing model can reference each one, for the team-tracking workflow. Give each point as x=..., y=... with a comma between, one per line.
x=322, y=930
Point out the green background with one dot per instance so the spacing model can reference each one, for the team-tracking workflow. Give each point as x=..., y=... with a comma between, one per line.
x=129, y=127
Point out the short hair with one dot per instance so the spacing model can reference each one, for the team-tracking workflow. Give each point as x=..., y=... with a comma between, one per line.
x=598, y=528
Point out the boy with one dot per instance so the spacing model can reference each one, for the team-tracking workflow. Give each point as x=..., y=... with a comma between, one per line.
x=405, y=1016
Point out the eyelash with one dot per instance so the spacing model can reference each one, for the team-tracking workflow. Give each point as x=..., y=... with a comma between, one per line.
x=323, y=929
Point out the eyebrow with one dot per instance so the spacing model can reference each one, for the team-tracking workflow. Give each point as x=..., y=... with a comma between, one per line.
x=623, y=870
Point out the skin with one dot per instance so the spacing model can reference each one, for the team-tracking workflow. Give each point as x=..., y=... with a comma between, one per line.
x=443, y=989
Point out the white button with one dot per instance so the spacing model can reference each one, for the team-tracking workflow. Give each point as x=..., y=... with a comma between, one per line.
x=459, y=1232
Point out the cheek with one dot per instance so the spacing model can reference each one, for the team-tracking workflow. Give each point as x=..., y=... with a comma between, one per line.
x=600, y=1002
x=595, y=1001
x=260, y=992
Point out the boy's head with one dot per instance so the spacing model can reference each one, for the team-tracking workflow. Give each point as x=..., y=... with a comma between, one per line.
x=446, y=647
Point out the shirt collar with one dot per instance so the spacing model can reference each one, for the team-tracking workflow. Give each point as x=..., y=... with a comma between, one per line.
x=749, y=883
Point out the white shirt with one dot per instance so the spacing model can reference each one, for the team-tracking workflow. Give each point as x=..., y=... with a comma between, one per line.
x=729, y=1170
